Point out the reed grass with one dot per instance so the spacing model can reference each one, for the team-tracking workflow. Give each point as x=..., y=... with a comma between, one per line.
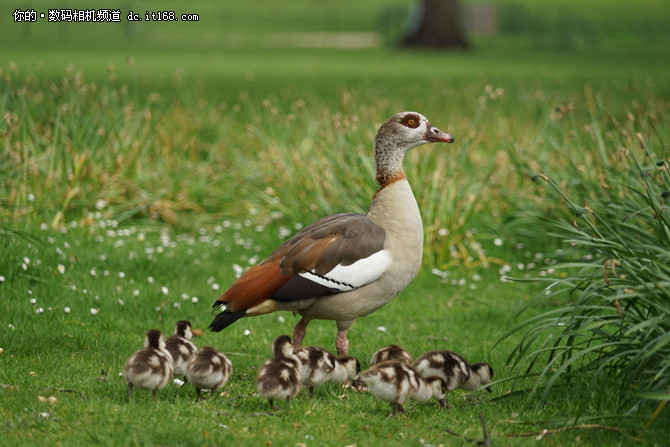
x=608, y=328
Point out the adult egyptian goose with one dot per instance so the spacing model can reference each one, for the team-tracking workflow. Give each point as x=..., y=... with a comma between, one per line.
x=149, y=368
x=391, y=352
x=347, y=265
x=180, y=346
x=454, y=370
x=280, y=377
x=320, y=366
x=396, y=382
x=208, y=369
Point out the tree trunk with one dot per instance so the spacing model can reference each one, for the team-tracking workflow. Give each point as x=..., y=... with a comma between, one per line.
x=436, y=24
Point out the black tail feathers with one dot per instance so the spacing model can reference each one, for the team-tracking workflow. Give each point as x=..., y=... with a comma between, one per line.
x=225, y=319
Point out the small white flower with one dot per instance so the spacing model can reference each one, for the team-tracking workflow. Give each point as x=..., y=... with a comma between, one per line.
x=164, y=290
x=122, y=275
x=94, y=311
x=215, y=287
x=39, y=310
x=150, y=279
x=93, y=273
x=247, y=332
x=178, y=382
x=281, y=319
x=2, y=278
x=497, y=242
x=120, y=301
x=33, y=301
x=100, y=204
x=176, y=305
x=194, y=300
x=185, y=296
x=381, y=329
x=12, y=327
x=66, y=309
x=31, y=197
x=136, y=292
x=61, y=268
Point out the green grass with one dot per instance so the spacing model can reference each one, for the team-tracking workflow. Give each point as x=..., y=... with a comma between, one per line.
x=176, y=153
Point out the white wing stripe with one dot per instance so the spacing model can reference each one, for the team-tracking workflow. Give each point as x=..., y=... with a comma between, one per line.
x=350, y=277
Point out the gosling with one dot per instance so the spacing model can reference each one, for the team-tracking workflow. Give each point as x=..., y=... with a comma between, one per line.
x=391, y=352
x=180, y=346
x=149, y=368
x=280, y=377
x=320, y=366
x=208, y=369
x=454, y=370
x=396, y=382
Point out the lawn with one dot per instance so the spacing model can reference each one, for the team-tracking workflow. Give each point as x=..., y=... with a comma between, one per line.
x=142, y=169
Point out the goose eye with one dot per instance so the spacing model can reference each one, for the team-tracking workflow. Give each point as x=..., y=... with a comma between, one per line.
x=411, y=122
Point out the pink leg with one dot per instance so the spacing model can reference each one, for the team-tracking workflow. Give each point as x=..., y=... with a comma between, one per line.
x=299, y=333
x=342, y=343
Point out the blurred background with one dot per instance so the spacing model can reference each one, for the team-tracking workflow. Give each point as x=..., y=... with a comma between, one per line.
x=268, y=37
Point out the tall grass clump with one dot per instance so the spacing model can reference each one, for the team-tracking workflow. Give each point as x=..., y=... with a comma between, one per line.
x=607, y=337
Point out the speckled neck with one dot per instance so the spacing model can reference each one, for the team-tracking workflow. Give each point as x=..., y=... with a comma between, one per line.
x=388, y=158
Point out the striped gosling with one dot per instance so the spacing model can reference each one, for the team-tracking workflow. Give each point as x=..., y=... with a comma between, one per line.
x=180, y=346
x=280, y=377
x=454, y=370
x=149, y=368
x=320, y=366
x=208, y=369
x=396, y=382
x=391, y=352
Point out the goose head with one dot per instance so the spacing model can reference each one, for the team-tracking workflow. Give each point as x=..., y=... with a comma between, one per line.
x=396, y=136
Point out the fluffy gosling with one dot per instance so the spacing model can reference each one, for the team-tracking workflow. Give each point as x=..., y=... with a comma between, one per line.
x=396, y=382
x=149, y=368
x=454, y=370
x=208, y=369
x=391, y=352
x=180, y=346
x=280, y=377
x=320, y=366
